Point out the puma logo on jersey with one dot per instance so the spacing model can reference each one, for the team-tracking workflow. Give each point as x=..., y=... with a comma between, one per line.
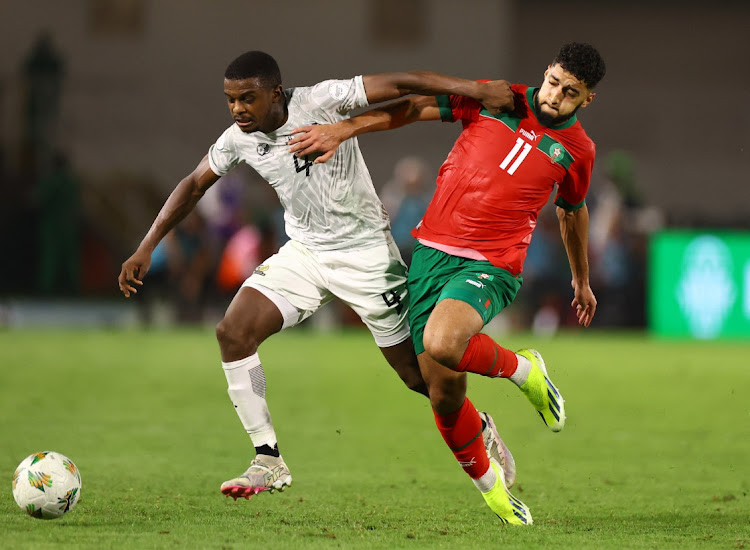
x=529, y=135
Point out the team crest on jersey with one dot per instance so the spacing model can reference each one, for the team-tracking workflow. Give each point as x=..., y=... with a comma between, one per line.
x=556, y=152
x=261, y=270
x=338, y=90
x=263, y=149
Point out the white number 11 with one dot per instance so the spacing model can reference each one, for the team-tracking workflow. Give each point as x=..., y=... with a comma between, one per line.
x=513, y=153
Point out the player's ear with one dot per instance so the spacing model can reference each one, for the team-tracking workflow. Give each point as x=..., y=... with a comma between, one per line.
x=588, y=100
x=277, y=93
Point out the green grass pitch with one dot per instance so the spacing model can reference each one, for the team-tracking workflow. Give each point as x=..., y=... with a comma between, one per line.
x=655, y=453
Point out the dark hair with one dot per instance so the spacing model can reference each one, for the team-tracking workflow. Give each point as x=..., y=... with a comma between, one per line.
x=255, y=64
x=582, y=61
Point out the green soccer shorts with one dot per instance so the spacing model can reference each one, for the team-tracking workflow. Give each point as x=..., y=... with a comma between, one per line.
x=435, y=275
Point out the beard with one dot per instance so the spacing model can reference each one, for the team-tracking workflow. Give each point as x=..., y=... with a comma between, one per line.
x=547, y=119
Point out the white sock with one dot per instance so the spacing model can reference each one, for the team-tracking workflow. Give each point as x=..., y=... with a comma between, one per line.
x=522, y=372
x=487, y=481
x=247, y=390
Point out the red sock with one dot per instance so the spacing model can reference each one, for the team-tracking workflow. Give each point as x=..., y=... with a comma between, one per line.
x=483, y=356
x=462, y=431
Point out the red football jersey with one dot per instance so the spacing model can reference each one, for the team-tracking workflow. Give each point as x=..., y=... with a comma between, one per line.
x=498, y=176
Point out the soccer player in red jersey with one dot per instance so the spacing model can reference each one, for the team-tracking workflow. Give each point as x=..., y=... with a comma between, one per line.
x=474, y=236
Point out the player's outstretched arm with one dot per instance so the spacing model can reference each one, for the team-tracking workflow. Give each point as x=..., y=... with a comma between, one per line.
x=179, y=204
x=496, y=95
x=574, y=228
x=324, y=139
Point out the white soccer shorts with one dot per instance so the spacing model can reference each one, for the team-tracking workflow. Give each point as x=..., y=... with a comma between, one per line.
x=372, y=281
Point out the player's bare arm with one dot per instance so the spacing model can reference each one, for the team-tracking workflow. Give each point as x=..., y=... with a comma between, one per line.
x=325, y=138
x=179, y=204
x=574, y=228
x=496, y=95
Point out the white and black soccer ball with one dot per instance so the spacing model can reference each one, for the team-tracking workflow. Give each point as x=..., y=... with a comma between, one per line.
x=47, y=485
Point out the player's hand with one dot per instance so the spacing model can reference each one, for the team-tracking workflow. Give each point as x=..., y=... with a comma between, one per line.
x=133, y=271
x=317, y=138
x=496, y=96
x=584, y=302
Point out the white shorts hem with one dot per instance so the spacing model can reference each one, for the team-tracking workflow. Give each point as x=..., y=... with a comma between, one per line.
x=392, y=340
x=287, y=310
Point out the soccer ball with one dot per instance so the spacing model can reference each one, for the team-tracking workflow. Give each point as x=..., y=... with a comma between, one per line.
x=46, y=485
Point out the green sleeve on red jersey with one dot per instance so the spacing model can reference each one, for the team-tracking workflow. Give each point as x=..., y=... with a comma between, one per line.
x=562, y=203
x=572, y=190
x=446, y=111
x=457, y=107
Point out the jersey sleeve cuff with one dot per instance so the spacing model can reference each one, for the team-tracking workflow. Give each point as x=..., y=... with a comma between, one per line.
x=565, y=205
x=362, y=100
x=214, y=168
x=444, y=104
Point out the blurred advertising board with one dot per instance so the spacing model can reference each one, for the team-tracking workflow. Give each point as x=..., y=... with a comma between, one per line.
x=699, y=284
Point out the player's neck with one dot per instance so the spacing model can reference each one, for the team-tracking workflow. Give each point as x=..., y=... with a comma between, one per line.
x=277, y=119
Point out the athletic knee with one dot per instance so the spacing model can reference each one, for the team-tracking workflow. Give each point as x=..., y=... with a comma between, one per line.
x=443, y=347
x=235, y=342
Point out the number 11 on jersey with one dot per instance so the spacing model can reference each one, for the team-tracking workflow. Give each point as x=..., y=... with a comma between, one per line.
x=513, y=152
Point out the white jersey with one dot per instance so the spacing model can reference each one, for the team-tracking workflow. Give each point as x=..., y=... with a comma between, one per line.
x=328, y=206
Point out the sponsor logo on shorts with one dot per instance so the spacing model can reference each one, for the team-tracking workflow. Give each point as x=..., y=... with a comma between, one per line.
x=260, y=270
x=475, y=283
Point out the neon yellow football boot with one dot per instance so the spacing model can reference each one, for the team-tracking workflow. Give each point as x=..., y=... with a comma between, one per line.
x=508, y=508
x=542, y=393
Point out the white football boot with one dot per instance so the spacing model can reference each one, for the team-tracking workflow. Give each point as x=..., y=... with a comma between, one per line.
x=266, y=473
x=497, y=449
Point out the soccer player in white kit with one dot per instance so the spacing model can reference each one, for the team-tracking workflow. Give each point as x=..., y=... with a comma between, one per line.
x=340, y=244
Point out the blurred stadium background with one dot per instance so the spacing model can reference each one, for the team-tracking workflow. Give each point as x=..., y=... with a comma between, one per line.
x=106, y=104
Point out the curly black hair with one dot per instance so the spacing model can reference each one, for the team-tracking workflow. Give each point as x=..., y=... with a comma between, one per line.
x=582, y=61
x=255, y=64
